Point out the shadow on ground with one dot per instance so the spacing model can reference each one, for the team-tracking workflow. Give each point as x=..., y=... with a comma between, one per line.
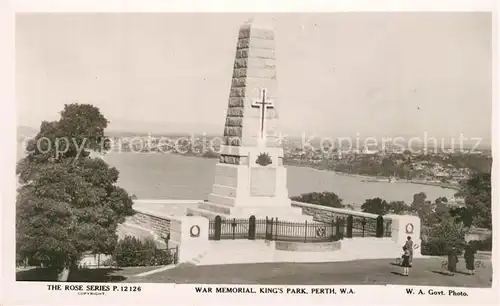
x=36, y=274
x=106, y=275
x=442, y=273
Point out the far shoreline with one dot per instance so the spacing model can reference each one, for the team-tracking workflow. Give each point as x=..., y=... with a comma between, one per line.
x=381, y=179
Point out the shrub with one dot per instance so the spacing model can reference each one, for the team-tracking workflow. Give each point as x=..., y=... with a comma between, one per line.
x=162, y=258
x=440, y=238
x=128, y=252
x=329, y=199
x=148, y=251
x=132, y=252
x=439, y=247
x=482, y=245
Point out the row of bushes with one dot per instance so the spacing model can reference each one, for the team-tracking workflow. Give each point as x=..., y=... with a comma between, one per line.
x=483, y=245
x=133, y=252
x=129, y=252
x=441, y=247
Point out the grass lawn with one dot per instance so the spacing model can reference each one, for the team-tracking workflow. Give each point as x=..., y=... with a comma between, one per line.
x=370, y=272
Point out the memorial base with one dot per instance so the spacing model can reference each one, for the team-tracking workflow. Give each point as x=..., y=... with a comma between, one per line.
x=211, y=210
x=244, y=188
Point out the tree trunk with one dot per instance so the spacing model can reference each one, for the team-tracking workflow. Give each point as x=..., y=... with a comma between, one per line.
x=68, y=267
x=64, y=274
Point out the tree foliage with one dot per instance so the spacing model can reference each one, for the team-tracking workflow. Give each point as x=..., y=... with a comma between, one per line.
x=398, y=208
x=389, y=167
x=477, y=194
x=329, y=199
x=68, y=203
x=422, y=207
x=375, y=206
x=381, y=207
x=443, y=236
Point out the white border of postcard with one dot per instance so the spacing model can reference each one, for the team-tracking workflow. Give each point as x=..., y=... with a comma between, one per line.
x=38, y=293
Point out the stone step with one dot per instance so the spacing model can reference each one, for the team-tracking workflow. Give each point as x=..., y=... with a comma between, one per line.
x=216, y=208
x=198, y=258
x=202, y=213
x=219, y=199
x=211, y=210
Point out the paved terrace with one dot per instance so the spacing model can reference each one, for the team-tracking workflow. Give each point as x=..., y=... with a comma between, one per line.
x=426, y=272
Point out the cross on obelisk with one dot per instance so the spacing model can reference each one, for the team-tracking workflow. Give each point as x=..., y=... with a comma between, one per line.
x=263, y=105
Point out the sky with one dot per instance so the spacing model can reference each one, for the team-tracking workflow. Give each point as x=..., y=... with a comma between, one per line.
x=338, y=74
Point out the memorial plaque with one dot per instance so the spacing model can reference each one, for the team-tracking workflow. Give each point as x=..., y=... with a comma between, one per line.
x=263, y=182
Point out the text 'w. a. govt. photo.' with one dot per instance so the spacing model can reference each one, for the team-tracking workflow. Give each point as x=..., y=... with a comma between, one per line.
x=255, y=154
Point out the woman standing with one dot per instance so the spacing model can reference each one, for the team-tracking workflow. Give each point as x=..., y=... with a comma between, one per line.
x=409, y=246
x=406, y=261
x=452, y=261
x=470, y=256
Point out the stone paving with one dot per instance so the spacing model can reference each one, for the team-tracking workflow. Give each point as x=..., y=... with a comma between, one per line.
x=425, y=272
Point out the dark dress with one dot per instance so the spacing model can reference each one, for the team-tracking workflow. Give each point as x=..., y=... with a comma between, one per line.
x=452, y=261
x=469, y=257
x=409, y=247
x=406, y=261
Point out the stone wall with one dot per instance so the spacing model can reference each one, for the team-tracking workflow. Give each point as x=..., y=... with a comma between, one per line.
x=328, y=214
x=158, y=227
x=189, y=233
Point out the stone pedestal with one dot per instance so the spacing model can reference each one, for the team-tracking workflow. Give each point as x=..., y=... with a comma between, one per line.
x=247, y=188
x=403, y=226
x=190, y=234
x=193, y=237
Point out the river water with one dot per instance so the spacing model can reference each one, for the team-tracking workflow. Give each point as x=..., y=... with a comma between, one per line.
x=160, y=176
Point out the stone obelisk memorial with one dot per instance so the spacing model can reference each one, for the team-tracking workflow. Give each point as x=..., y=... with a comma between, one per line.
x=250, y=178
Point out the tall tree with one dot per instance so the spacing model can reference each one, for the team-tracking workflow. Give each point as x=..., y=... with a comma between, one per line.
x=422, y=207
x=477, y=195
x=441, y=212
x=68, y=202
